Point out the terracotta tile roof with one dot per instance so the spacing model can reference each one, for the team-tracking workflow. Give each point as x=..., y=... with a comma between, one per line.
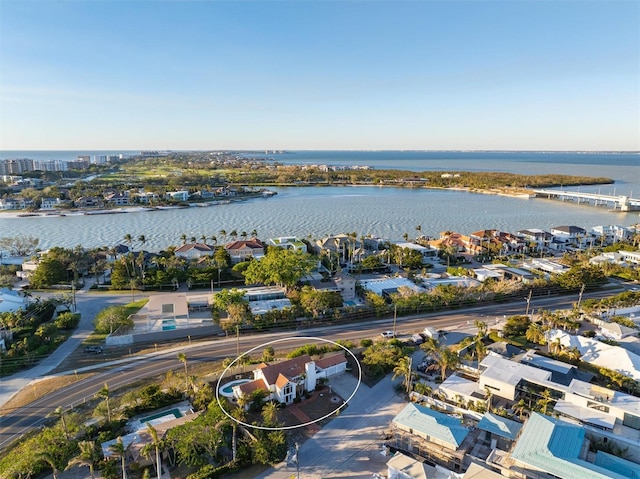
x=289, y=368
x=190, y=246
x=248, y=388
x=281, y=381
x=332, y=360
x=253, y=244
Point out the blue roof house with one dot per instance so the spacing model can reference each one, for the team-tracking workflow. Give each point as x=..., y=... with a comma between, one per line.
x=430, y=434
x=559, y=448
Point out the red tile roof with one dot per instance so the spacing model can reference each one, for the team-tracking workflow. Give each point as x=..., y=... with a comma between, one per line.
x=332, y=360
x=289, y=368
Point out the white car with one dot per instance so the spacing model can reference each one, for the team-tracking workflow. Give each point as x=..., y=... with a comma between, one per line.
x=388, y=335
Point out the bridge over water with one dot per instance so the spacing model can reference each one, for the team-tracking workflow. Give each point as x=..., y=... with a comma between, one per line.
x=620, y=203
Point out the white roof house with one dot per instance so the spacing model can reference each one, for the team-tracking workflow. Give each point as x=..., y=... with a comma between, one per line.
x=10, y=300
x=502, y=376
x=601, y=354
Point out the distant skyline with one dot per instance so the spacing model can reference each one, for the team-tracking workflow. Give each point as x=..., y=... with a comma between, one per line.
x=320, y=75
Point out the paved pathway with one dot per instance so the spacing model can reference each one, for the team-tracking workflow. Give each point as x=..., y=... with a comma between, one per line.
x=88, y=306
x=351, y=444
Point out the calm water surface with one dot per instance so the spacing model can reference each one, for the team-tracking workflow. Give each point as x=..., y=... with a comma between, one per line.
x=386, y=212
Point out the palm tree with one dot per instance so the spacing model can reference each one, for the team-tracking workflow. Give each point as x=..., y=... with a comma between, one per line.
x=183, y=359
x=119, y=450
x=193, y=239
x=155, y=442
x=203, y=238
x=488, y=395
x=422, y=388
x=183, y=238
x=49, y=458
x=238, y=414
x=521, y=408
x=223, y=233
x=214, y=240
x=60, y=413
x=244, y=235
x=270, y=414
x=143, y=240
x=254, y=233
x=234, y=235
x=88, y=456
x=104, y=393
x=545, y=399
x=128, y=239
x=404, y=369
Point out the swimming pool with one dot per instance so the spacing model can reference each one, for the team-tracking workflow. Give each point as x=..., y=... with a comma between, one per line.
x=226, y=390
x=171, y=412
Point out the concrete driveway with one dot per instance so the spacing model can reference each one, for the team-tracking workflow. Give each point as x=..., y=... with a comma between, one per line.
x=350, y=445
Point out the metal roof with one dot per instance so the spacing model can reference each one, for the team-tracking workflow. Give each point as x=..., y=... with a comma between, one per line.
x=500, y=426
x=433, y=423
x=554, y=446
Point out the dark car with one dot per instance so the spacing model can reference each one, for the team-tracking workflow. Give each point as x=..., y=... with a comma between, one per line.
x=93, y=349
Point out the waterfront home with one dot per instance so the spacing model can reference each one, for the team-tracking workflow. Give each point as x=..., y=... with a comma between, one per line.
x=284, y=381
x=569, y=235
x=50, y=203
x=456, y=242
x=609, y=234
x=341, y=245
x=179, y=196
x=540, y=237
x=194, y=251
x=145, y=197
x=428, y=253
x=89, y=202
x=288, y=242
x=16, y=203
x=117, y=198
x=244, y=250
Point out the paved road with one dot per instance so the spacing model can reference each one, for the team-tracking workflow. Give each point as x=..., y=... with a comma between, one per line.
x=350, y=445
x=16, y=423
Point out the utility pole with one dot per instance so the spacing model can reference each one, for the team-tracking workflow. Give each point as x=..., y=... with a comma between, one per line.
x=395, y=316
x=528, y=299
x=580, y=296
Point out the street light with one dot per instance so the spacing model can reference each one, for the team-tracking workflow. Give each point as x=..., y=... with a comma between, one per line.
x=297, y=460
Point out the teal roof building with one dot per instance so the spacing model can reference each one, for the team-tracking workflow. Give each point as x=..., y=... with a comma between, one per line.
x=432, y=425
x=557, y=447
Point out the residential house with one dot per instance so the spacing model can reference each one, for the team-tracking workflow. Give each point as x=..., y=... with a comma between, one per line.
x=244, y=250
x=455, y=242
x=428, y=253
x=145, y=197
x=401, y=466
x=570, y=235
x=541, y=238
x=89, y=202
x=194, y=251
x=16, y=203
x=499, y=431
x=430, y=434
x=549, y=447
x=179, y=196
x=50, y=203
x=609, y=234
x=117, y=198
x=291, y=243
x=290, y=379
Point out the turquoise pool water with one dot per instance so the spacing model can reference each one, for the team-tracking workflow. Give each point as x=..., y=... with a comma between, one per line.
x=227, y=389
x=175, y=412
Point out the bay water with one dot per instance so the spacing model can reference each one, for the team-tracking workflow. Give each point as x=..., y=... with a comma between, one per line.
x=315, y=212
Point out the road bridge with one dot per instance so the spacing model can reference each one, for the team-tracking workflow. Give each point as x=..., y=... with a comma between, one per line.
x=614, y=202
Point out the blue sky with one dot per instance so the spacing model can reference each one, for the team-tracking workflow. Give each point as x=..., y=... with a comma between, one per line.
x=435, y=75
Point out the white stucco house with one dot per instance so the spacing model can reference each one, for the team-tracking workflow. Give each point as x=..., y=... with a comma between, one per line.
x=287, y=380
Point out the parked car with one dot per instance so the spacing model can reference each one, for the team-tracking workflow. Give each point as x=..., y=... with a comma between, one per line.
x=93, y=349
x=417, y=338
x=388, y=334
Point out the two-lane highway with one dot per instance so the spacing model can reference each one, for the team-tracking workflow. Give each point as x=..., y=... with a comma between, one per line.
x=15, y=423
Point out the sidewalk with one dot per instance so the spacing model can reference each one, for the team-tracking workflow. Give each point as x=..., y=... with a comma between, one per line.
x=351, y=444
